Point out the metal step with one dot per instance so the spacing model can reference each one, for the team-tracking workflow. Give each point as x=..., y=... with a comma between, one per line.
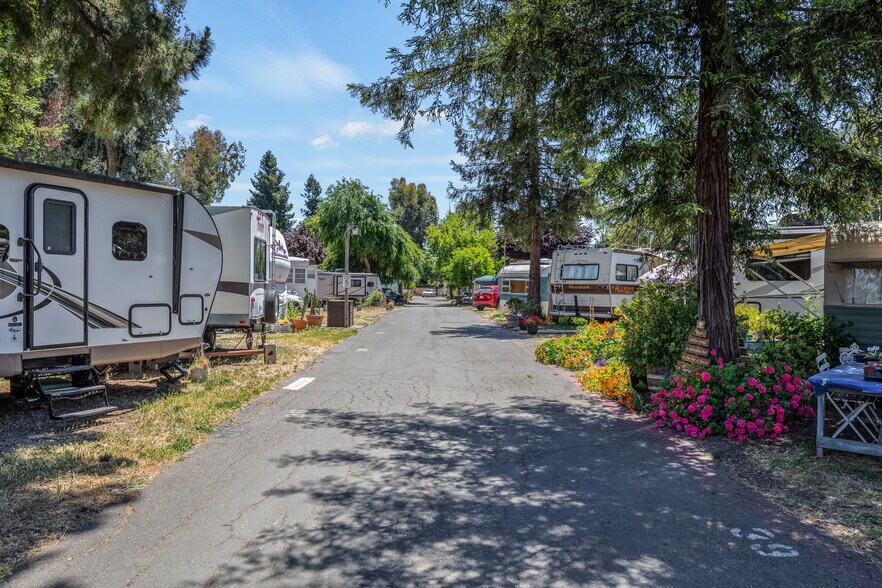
x=62, y=370
x=74, y=392
x=92, y=412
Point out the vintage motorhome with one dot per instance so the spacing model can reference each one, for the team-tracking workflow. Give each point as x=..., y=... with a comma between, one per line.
x=328, y=285
x=246, y=298
x=787, y=274
x=513, y=278
x=96, y=271
x=592, y=282
x=853, y=281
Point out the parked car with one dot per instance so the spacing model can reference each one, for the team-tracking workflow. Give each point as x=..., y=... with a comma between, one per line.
x=394, y=297
x=429, y=293
x=486, y=297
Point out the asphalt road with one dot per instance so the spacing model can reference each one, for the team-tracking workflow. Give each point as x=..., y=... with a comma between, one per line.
x=431, y=449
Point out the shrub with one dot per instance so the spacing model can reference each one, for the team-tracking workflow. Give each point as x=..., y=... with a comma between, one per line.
x=611, y=380
x=735, y=400
x=799, y=340
x=747, y=317
x=657, y=323
x=592, y=342
x=375, y=298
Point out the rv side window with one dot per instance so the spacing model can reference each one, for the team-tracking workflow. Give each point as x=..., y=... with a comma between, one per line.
x=518, y=286
x=784, y=271
x=129, y=241
x=299, y=275
x=626, y=273
x=588, y=271
x=370, y=284
x=4, y=243
x=259, y=260
x=506, y=287
x=864, y=285
x=356, y=283
x=59, y=224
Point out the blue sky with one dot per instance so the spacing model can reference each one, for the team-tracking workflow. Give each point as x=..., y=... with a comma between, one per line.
x=277, y=80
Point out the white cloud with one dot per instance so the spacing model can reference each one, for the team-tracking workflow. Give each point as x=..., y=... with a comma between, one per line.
x=239, y=188
x=196, y=122
x=355, y=129
x=295, y=77
x=323, y=142
x=210, y=85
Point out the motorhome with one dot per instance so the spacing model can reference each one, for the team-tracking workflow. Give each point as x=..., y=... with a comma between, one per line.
x=853, y=281
x=592, y=282
x=96, y=271
x=281, y=269
x=787, y=274
x=246, y=299
x=513, y=278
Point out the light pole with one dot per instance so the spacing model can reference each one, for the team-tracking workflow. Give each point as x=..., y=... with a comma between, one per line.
x=350, y=230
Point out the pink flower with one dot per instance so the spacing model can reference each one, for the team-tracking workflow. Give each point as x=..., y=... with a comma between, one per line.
x=768, y=370
x=751, y=381
x=749, y=396
x=751, y=427
x=740, y=388
x=705, y=377
x=714, y=352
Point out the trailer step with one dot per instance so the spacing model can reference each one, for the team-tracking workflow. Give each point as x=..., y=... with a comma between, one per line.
x=81, y=382
x=83, y=414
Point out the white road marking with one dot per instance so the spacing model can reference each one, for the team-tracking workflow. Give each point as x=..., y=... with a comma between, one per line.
x=380, y=333
x=361, y=349
x=770, y=550
x=297, y=414
x=299, y=383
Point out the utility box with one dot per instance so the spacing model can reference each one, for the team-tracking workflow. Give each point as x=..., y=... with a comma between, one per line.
x=339, y=315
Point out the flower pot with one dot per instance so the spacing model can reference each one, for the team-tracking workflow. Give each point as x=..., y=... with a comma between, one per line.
x=299, y=325
x=870, y=371
x=522, y=326
x=512, y=321
x=532, y=329
x=315, y=320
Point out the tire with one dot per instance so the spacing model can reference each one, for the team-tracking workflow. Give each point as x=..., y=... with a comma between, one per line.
x=271, y=307
x=209, y=338
x=481, y=308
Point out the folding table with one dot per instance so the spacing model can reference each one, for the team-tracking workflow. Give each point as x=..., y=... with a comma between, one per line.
x=857, y=403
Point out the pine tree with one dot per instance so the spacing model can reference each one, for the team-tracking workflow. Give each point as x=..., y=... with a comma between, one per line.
x=270, y=193
x=312, y=196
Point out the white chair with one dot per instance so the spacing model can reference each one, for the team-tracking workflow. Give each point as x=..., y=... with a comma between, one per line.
x=823, y=364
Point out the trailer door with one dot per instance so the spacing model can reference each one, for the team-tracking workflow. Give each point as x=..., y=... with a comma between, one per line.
x=56, y=289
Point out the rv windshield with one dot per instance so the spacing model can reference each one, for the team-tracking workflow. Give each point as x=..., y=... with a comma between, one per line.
x=588, y=271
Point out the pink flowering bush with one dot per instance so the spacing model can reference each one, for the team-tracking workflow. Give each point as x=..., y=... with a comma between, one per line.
x=734, y=400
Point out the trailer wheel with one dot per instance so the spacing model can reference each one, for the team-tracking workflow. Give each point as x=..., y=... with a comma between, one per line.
x=209, y=338
x=18, y=386
x=270, y=307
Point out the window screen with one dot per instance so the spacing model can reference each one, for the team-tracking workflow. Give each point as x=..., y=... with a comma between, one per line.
x=588, y=271
x=764, y=271
x=259, y=260
x=356, y=283
x=864, y=285
x=59, y=236
x=299, y=275
x=626, y=273
x=129, y=241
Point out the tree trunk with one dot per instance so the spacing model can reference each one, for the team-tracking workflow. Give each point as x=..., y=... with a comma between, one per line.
x=111, y=146
x=715, y=289
x=534, y=290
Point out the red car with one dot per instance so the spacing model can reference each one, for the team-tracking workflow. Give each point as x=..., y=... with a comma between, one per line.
x=487, y=296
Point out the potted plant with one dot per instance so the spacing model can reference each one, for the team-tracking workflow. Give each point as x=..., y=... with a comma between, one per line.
x=531, y=323
x=301, y=323
x=315, y=317
x=513, y=317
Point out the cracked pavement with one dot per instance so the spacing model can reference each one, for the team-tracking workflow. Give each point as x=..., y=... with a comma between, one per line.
x=442, y=455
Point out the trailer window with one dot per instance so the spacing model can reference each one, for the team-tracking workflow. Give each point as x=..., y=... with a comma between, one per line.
x=59, y=237
x=356, y=282
x=299, y=275
x=129, y=241
x=626, y=273
x=864, y=285
x=784, y=271
x=4, y=243
x=588, y=271
x=259, y=260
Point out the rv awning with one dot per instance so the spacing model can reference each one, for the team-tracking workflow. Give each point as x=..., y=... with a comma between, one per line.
x=793, y=246
x=486, y=280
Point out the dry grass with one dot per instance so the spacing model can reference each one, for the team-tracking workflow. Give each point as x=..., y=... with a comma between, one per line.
x=840, y=493
x=56, y=476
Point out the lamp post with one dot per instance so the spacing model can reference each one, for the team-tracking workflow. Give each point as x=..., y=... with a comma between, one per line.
x=350, y=230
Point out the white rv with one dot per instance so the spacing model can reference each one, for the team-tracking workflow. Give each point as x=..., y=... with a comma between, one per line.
x=328, y=285
x=302, y=276
x=281, y=268
x=96, y=271
x=246, y=298
x=788, y=274
x=592, y=282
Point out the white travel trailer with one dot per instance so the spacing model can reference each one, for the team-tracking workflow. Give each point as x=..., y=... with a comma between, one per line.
x=302, y=276
x=97, y=271
x=788, y=274
x=592, y=282
x=328, y=285
x=281, y=268
x=246, y=298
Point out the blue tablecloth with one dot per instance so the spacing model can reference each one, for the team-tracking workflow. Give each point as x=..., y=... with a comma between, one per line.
x=850, y=375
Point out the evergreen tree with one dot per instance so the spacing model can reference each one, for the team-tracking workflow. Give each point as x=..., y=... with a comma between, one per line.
x=270, y=193
x=312, y=196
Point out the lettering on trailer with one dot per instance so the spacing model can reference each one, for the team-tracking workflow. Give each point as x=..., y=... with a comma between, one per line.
x=696, y=351
x=597, y=289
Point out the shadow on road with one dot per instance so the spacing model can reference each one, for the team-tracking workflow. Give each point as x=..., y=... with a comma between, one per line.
x=485, y=494
x=473, y=331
